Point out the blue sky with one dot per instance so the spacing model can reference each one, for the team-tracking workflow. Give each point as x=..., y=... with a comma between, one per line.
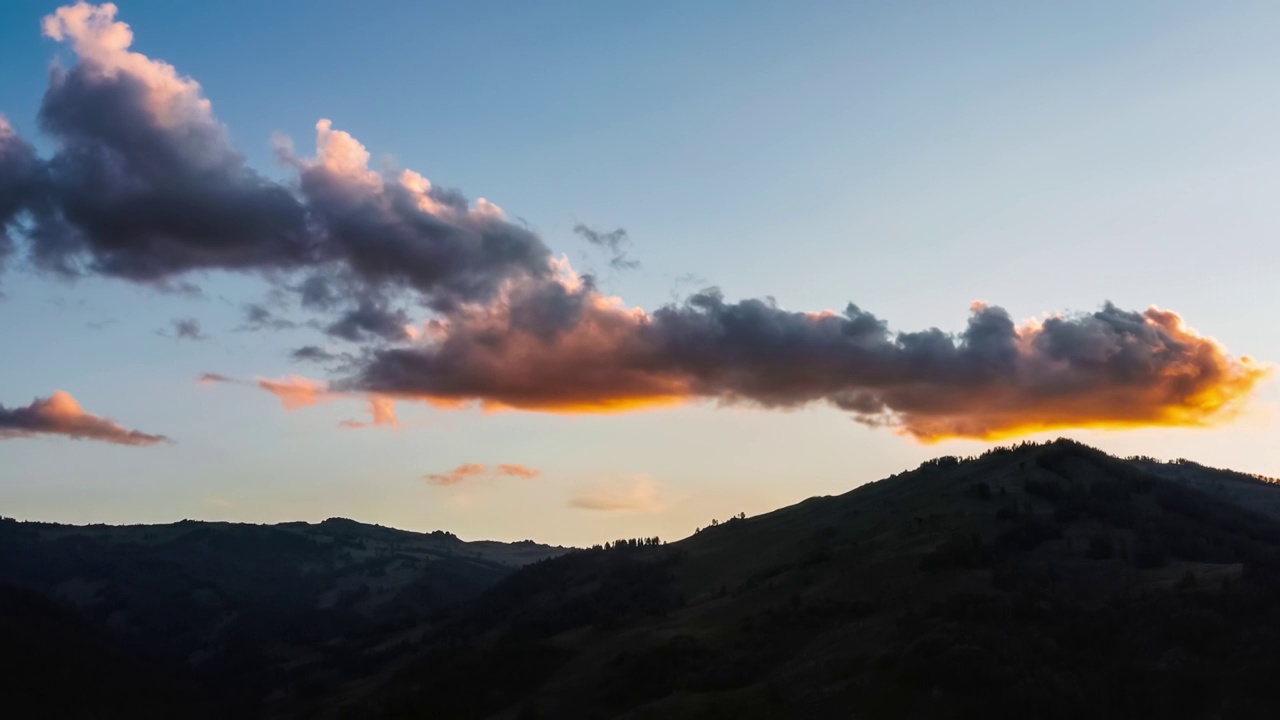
x=908, y=157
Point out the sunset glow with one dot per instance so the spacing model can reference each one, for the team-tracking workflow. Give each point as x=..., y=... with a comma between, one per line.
x=556, y=278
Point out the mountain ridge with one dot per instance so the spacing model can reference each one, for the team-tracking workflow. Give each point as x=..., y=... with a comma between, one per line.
x=961, y=588
x=1035, y=580
x=243, y=606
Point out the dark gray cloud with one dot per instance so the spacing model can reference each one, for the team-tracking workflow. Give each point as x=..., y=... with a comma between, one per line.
x=317, y=292
x=60, y=414
x=20, y=174
x=260, y=317
x=187, y=329
x=391, y=231
x=615, y=242
x=312, y=353
x=370, y=319
x=144, y=185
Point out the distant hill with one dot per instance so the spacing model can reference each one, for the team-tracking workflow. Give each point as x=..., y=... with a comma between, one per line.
x=1040, y=581
x=251, y=610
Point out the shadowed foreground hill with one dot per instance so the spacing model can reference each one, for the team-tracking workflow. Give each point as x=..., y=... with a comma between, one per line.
x=251, y=610
x=1048, y=581
x=58, y=665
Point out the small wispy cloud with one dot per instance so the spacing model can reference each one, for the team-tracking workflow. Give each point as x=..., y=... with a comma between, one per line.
x=629, y=493
x=296, y=391
x=260, y=317
x=382, y=411
x=518, y=471
x=477, y=471
x=183, y=329
x=210, y=378
x=615, y=242
x=312, y=353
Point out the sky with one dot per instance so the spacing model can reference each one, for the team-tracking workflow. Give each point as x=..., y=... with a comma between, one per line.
x=574, y=271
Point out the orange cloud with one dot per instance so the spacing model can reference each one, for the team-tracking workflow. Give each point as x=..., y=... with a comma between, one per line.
x=296, y=391
x=60, y=414
x=1194, y=382
x=475, y=471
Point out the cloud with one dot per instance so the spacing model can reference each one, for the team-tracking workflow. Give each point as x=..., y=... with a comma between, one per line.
x=296, y=391
x=312, y=353
x=632, y=493
x=395, y=229
x=521, y=471
x=382, y=411
x=616, y=242
x=457, y=475
x=259, y=317
x=370, y=320
x=213, y=379
x=476, y=471
x=1108, y=369
x=186, y=329
x=144, y=185
x=21, y=174
x=60, y=414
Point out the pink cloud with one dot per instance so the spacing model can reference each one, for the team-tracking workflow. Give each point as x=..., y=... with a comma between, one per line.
x=382, y=411
x=476, y=471
x=296, y=391
x=518, y=471
x=60, y=414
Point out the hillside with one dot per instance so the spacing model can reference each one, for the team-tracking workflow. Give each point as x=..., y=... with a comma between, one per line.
x=58, y=663
x=1048, y=581
x=249, y=611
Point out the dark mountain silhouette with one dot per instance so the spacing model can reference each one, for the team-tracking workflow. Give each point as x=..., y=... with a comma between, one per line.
x=59, y=665
x=1047, y=581
x=247, y=611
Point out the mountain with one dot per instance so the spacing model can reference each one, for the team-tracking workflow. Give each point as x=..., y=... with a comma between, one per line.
x=1047, y=581
x=247, y=611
